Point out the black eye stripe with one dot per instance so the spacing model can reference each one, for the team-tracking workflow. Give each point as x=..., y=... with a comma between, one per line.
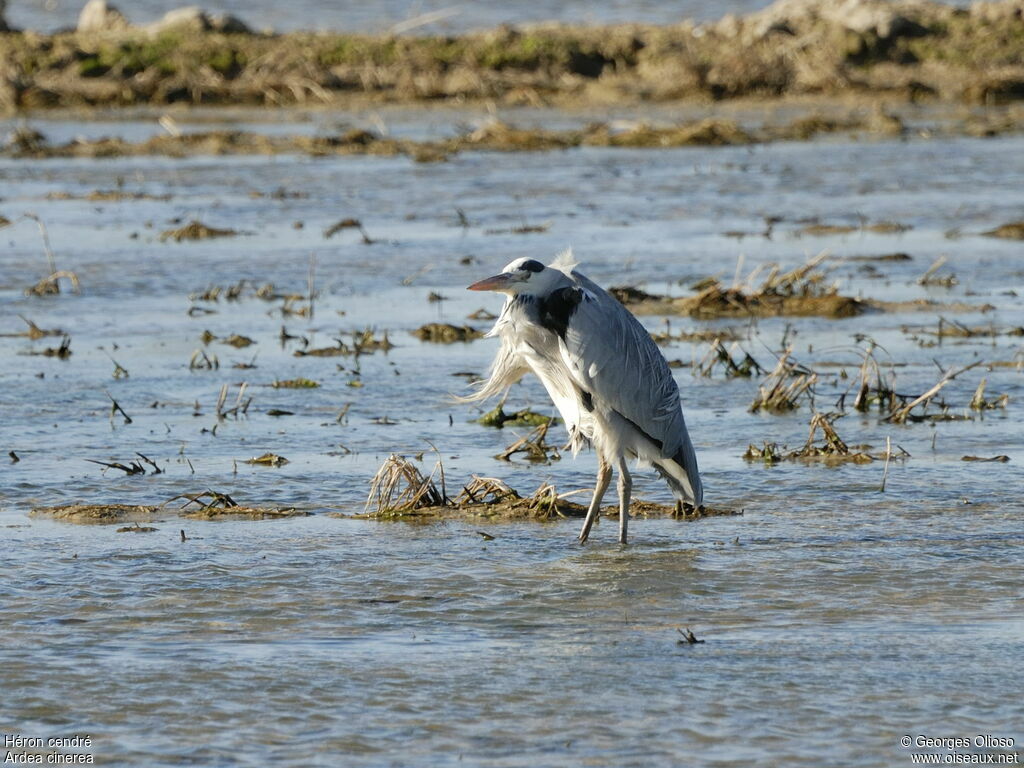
x=531, y=265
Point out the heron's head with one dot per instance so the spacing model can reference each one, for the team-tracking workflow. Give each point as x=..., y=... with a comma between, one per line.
x=522, y=276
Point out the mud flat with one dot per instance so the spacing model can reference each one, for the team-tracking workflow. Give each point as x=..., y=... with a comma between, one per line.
x=910, y=51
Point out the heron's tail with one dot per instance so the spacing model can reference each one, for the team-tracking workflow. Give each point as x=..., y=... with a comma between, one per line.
x=505, y=371
x=681, y=474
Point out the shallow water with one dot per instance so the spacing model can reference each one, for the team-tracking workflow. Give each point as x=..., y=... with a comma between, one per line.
x=836, y=618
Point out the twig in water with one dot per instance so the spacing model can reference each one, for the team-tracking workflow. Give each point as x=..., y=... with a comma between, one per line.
x=688, y=637
x=888, y=455
x=116, y=408
x=900, y=415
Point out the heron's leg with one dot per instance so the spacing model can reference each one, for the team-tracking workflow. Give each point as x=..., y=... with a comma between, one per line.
x=604, y=477
x=625, y=489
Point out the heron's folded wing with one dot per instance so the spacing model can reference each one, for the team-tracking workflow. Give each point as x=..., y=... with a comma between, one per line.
x=612, y=356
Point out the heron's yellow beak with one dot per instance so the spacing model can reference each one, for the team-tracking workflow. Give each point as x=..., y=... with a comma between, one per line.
x=497, y=283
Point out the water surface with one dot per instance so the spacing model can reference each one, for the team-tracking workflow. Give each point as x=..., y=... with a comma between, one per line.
x=836, y=617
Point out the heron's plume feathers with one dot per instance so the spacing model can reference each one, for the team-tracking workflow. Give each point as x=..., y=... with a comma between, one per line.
x=565, y=262
x=506, y=370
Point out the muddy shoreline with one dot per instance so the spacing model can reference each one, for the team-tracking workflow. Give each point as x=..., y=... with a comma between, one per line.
x=915, y=52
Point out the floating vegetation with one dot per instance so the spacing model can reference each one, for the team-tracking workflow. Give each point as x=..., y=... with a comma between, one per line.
x=400, y=488
x=295, y=384
x=827, y=229
x=799, y=292
x=708, y=335
x=522, y=418
x=200, y=361
x=62, y=352
x=1014, y=230
x=980, y=403
x=195, y=230
x=687, y=638
x=932, y=278
x=214, y=504
x=97, y=513
x=445, y=333
x=268, y=460
x=533, y=446
x=400, y=491
x=132, y=468
x=905, y=413
x=238, y=341
x=783, y=388
x=743, y=366
x=343, y=224
x=831, y=450
x=136, y=528
x=872, y=388
x=899, y=256
x=364, y=342
x=946, y=328
x=522, y=229
x=50, y=285
x=34, y=332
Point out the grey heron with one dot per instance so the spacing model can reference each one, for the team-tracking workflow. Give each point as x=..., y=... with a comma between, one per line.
x=607, y=377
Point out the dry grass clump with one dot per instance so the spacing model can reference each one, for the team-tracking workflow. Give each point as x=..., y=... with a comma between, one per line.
x=364, y=342
x=742, y=366
x=533, y=446
x=783, y=388
x=831, y=450
x=399, y=490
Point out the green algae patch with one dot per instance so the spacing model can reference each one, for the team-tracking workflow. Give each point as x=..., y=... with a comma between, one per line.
x=522, y=418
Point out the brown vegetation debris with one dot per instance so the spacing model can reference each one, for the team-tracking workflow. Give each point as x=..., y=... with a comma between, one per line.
x=50, y=285
x=238, y=341
x=782, y=389
x=534, y=447
x=800, y=292
x=195, y=230
x=97, y=513
x=1011, y=231
x=214, y=504
x=400, y=491
x=268, y=460
x=445, y=333
x=832, y=449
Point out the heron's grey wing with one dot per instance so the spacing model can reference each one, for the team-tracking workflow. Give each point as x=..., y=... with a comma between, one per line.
x=612, y=356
